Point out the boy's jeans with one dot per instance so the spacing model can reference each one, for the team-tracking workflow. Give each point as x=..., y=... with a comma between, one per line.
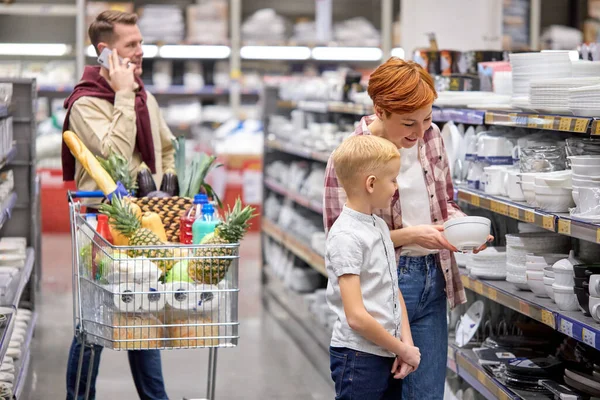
x=145, y=367
x=363, y=376
x=422, y=285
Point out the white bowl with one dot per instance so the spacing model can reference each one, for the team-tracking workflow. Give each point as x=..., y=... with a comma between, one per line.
x=557, y=179
x=589, y=170
x=554, y=191
x=549, y=291
x=585, y=160
x=583, y=182
x=576, y=196
x=565, y=297
x=549, y=258
x=534, y=266
x=563, y=277
x=549, y=272
x=528, y=177
x=537, y=287
x=529, y=196
x=558, y=203
x=547, y=280
x=467, y=233
x=535, y=275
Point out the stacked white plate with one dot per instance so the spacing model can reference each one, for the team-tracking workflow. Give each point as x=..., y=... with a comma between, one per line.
x=521, y=244
x=585, y=68
x=552, y=95
x=488, y=264
x=585, y=101
x=527, y=66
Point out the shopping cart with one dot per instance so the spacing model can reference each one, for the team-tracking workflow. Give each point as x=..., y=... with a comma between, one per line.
x=121, y=300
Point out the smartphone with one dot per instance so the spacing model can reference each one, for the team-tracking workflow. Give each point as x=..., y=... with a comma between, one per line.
x=103, y=58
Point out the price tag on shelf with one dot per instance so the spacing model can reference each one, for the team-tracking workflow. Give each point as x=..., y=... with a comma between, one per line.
x=581, y=125
x=564, y=226
x=475, y=200
x=481, y=377
x=548, y=222
x=589, y=337
x=503, y=208
x=478, y=287
x=566, y=327
x=502, y=395
x=524, y=307
x=492, y=294
x=530, y=217
x=596, y=130
x=565, y=124
x=494, y=206
x=532, y=121
x=513, y=212
x=548, y=319
x=489, y=118
x=598, y=235
x=548, y=122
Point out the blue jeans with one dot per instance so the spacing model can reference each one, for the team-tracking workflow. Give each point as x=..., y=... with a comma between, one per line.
x=422, y=285
x=145, y=367
x=363, y=376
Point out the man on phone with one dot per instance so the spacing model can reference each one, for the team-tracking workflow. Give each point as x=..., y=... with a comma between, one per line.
x=109, y=109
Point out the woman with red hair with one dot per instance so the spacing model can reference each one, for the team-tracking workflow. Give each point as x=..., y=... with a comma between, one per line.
x=403, y=94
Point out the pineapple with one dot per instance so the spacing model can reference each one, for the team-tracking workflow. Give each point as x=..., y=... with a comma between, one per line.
x=118, y=169
x=125, y=221
x=212, y=270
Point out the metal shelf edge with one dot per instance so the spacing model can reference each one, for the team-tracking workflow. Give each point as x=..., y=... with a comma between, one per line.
x=25, y=349
x=296, y=197
x=297, y=151
x=25, y=275
x=7, y=207
x=293, y=244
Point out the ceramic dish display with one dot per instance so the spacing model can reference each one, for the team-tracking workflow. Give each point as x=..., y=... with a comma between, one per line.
x=565, y=298
x=467, y=233
x=469, y=323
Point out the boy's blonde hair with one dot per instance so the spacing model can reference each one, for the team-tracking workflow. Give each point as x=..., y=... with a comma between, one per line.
x=361, y=155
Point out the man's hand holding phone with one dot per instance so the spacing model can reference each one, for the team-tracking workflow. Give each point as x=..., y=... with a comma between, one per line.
x=121, y=73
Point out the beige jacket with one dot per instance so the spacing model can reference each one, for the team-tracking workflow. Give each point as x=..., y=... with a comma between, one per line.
x=102, y=126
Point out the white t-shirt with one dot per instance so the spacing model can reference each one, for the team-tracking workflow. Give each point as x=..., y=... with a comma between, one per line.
x=414, y=198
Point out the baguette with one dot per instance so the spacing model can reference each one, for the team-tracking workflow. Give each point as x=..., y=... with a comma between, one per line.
x=87, y=160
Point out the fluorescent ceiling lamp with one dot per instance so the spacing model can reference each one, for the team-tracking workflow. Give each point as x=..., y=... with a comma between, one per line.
x=150, y=51
x=275, y=53
x=347, y=53
x=398, y=52
x=35, y=49
x=194, y=51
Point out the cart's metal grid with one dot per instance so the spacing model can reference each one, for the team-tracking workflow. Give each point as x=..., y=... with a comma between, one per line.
x=121, y=300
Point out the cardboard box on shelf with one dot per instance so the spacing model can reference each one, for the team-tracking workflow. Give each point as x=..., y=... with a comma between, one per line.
x=208, y=22
x=93, y=8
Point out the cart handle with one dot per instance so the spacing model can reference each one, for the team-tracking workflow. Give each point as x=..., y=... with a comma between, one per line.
x=80, y=194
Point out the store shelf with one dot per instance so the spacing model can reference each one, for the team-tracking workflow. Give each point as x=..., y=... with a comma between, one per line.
x=21, y=378
x=296, y=197
x=504, y=206
x=459, y=116
x=552, y=122
x=24, y=276
x=328, y=106
x=176, y=90
x=277, y=144
x=4, y=112
x=50, y=10
x=7, y=207
x=573, y=324
x=469, y=369
x=5, y=338
x=12, y=153
x=295, y=245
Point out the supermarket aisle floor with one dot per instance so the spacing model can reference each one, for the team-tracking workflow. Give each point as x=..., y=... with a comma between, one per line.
x=266, y=365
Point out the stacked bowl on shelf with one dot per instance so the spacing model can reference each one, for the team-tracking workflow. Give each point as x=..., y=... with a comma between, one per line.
x=585, y=101
x=536, y=266
x=519, y=245
x=488, y=264
x=563, y=286
x=587, y=289
x=552, y=95
x=586, y=186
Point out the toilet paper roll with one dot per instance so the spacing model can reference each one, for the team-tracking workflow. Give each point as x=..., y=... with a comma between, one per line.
x=124, y=298
x=154, y=298
x=182, y=295
x=209, y=298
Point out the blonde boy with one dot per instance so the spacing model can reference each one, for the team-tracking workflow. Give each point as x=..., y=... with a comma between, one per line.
x=368, y=359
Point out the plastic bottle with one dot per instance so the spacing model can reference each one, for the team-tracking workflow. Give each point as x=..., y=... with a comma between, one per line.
x=187, y=219
x=205, y=224
x=102, y=229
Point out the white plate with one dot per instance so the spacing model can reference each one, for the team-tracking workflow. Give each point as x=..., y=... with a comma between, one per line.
x=469, y=323
x=595, y=219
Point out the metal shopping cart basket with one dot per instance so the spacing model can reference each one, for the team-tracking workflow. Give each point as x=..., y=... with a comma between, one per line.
x=122, y=301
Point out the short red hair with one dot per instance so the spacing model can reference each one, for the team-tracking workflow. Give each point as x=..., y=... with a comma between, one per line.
x=401, y=87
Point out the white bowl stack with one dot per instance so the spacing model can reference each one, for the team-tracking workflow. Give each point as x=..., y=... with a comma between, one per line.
x=586, y=173
x=527, y=66
x=552, y=95
x=548, y=282
x=564, y=282
x=585, y=101
x=554, y=191
x=536, y=265
x=488, y=264
x=519, y=245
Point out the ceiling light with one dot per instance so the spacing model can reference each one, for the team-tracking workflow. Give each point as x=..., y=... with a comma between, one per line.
x=194, y=51
x=398, y=52
x=150, y=51
x=347, y=53
x=35, y=49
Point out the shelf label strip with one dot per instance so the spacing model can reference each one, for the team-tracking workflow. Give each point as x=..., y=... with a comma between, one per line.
x=564, y=226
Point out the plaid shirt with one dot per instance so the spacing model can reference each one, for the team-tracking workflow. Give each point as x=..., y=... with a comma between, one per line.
x=433, y=158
